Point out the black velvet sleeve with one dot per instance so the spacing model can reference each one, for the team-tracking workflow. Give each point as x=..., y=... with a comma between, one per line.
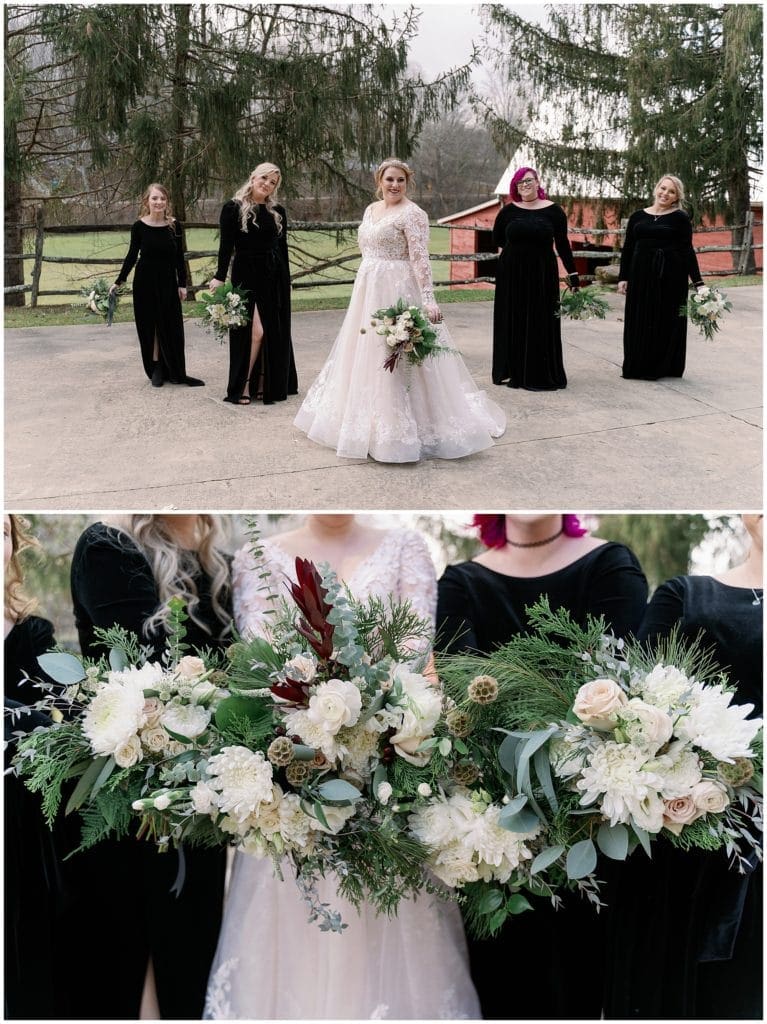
x=627, y=251
x=617, y=589
x=664, y=611
x=561, y=241
x=133, y=251
x=228, y=224
x=499, y=228
x=693, y=269
x=112, y=584
x=282, y=240
x=455, y=627
x=180, y=262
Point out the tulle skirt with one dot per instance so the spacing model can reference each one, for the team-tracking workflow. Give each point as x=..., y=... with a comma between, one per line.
x=360, y=409
x=271, y=963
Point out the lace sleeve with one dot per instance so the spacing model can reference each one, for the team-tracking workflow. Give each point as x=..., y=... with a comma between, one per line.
x=417, y=576
x=252, y=595
x=416, y=229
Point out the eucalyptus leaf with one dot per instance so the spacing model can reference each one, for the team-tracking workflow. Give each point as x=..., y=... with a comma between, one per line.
x=515, y=804
x=460, y=746
x=534, y=741
x=643, y=838
x=85, y=783
x=581, y=859
x=103, y=775
x=62, y=667
x=546, y=858
x=613, y=840
x=320, y=814
x=338, y=791
x=444, y=746
x=118, y=659
x=543, y=771
x=519, y=821
x=303, y=753
x=506, y=755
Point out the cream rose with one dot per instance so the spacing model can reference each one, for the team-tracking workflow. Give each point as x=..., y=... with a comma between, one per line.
x=598, y=702
x=152, y=709
x=190, y=667
x=336, y=817
x=301, y=669
x=710, y=797
x=645, y=725
x=155, y=739
x=679, y=812
x=129, y=753
x=337, y=703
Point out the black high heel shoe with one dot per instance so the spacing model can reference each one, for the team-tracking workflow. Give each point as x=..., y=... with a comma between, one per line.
x=157, y=381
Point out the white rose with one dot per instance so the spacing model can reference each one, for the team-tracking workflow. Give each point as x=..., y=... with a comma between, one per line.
x=664, y=686
x=710, y=797
x=384, y=792
x=129, y=753
x=190, y=667
x=422, y=707
x=336, y=703
x=645, y=725
x=424, y=789
x=187, y=720
x=204, y=799
x=301, y=669
x=598, y=702
x=336, y=817
x=154, y=739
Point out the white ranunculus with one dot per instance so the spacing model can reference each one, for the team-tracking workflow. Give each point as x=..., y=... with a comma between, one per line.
x=301, y=668
x=113, y=717
x=335, y=704
x=384, y=792
x=644, y=725
x=598, y=702
x=710, y=797
x=129, y=753
x=311, y=734
x=716, y=725
x=664, y=687
x=647, y=811
x=243, y=780
x=204, y=798
x=190, y=667
x=189, y=720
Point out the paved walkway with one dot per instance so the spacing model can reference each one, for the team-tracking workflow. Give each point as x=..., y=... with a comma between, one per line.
x=86, y=431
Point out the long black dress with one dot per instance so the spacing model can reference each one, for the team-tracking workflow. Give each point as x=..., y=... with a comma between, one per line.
x=160, y=272
x=685, y=938
x=544, y=964
x=125, y=886
x=35, y=986
x=261, y=267
x=527, y=338
x=656, y=261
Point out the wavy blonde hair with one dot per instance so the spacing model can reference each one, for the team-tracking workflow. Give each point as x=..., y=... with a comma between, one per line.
x=249, y=209
x=143, y=210
x=678, y=185
x=384, y=166
x=173, y=567
x=18, y=605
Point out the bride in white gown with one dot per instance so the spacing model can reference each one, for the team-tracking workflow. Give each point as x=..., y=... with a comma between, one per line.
x=271, y=962
x=357, y=407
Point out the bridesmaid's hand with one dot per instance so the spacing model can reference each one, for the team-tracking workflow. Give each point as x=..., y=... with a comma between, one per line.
x=182, y=294
x=112, y=288
x=433, y=313
x=214, y=282
x=622, y=286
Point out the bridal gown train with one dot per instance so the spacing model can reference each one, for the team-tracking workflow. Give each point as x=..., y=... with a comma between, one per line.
x=270, y=962
x=357, y=407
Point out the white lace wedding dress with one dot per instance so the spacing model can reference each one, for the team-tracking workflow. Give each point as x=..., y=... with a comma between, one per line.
x=360, y=409
x=270, y=962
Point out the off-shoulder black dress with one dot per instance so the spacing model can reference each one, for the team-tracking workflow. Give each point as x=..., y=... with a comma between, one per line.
x=158, y=255
x=261, y=267
x=527, y=339
x=656, y=261
x=685, y=935
x=543, y=964
x=127, y=911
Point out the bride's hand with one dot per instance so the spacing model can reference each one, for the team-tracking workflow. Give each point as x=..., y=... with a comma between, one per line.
x=433, y=313
x=214, y=282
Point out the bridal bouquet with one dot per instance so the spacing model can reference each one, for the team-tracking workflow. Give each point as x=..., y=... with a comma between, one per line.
x=584, y=304
x=223, y=308
x=98, y=300
x=705, y=308
x=584, y=743
x=408, y=332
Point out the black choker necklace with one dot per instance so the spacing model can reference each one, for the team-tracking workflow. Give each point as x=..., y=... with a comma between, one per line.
x=536, y=543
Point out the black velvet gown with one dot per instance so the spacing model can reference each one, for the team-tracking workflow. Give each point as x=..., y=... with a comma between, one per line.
x=527, y=338
x=685, y=937
x=36, y=899
x=545, y=963
x=125, y=886
x=656, y=261
x=260, y=267
x=160, y=272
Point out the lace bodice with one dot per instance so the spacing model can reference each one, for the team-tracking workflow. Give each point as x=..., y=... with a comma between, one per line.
x=401, y=566
x=402, y=234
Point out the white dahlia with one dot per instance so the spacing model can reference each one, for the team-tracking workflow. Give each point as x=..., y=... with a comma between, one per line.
x=243, y=780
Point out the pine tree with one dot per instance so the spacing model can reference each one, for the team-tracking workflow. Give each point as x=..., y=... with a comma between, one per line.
x=624, y=93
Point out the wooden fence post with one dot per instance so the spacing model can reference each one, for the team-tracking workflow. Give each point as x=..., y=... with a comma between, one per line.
x=745, y=243
x=37, y=267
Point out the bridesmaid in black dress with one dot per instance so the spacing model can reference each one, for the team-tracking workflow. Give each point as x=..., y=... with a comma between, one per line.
x=159, y=286
x=527, y=338
x=145, y=932
x=656, y=261
x=556, y=955
x=35, y=896
x=255, y=229
x=685, y=938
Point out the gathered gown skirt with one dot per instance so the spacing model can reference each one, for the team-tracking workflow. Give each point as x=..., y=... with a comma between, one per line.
x=360, y=409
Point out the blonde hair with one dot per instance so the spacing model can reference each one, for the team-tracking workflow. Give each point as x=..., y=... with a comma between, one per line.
x=174, y=567
x=18, y=605
x=248, y=209
x=143, y=210
x=678, y=185
x=383, y=167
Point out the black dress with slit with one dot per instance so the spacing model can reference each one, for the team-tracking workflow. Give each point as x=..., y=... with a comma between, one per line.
x=36, y=898
x=158, y=255
x=125, y=885
x=656, y=261
x=544, y=963
x=527, y=336
x=260, y=267
x=685, y=936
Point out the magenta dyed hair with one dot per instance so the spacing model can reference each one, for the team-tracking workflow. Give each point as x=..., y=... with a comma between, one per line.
x=518, y=176
x=492, y=528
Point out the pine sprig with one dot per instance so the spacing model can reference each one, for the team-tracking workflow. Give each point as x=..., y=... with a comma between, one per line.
x=390, y=628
